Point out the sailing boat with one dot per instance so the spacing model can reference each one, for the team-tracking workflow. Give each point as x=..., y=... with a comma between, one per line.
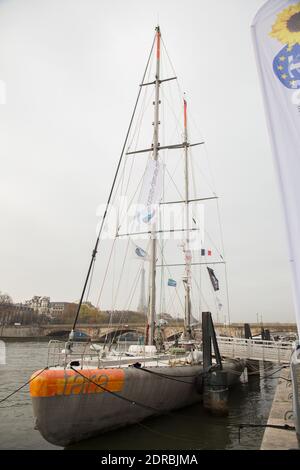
x=87, y=392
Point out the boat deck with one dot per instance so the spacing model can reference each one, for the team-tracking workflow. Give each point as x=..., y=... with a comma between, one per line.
x=86, y=356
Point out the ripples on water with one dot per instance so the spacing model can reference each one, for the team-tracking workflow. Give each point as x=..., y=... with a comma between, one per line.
x=189, y=428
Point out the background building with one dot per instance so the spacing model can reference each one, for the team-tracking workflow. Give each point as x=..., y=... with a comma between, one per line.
x=43, y=306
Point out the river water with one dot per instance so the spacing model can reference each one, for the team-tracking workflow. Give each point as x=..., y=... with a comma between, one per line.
x=191, y=428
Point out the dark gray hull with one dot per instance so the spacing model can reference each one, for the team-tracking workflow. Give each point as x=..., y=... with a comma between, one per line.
x=66, y=419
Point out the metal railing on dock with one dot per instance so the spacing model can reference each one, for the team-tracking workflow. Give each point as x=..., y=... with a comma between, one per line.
x=272, y=351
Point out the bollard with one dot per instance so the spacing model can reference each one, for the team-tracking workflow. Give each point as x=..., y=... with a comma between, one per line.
x=215, y=392
x=267, y=335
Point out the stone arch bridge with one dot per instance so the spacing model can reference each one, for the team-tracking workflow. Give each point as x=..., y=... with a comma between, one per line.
x=99, y=332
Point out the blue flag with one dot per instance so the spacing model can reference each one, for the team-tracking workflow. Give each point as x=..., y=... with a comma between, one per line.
x=172, y=283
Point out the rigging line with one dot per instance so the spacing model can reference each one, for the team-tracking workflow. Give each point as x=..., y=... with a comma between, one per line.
x=121, y=274
x=121, y=318
x=222, y=255
x=223, y=249
x=177, y=131
x=132, y=162
x=90, y=282
x=124, y=169
x=173, y=68
x=171, y=301
x=113, y=276
x=128, y=180
x=136, y=146
x=170, y=274
x=178, y=124
x=190, y=113
x=94, y=253
x=194, y=122
x=134, y=287
x=24, y=385
x=177, y=164
x=174, y=183
x=144, y=106
x=131, y=200
x=177, y=107
x=195, y=218
x=171, y=176
x=106, y=271
x=201, y=295
x=136, y=137
x=206, y=180
x=138, y=130
x=193, y=300
x=194, y=183
x=170, y=306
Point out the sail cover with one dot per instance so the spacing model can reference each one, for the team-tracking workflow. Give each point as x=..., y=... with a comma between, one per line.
x=276, y=34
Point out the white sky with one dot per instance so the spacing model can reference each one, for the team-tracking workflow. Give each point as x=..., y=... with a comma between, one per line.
x=71, y=69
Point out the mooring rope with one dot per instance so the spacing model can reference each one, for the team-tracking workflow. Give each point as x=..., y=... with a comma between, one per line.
x=24, y=385
x=165, y=376
x=283, y=427
x=117, y=395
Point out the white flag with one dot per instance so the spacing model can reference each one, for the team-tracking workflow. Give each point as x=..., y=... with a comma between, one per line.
x=140, y=253
x=276, y=33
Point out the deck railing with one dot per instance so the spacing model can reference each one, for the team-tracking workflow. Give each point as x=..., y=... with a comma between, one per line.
x=273, y=351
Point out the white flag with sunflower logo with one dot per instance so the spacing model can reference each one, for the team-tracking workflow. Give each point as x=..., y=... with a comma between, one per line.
x=276, y=33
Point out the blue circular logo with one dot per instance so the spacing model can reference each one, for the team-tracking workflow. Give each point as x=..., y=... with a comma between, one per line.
x=286, y=66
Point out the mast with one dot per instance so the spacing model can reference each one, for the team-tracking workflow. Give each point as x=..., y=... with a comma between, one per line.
x=152, y=300
x=142, y=306
x=187, y=279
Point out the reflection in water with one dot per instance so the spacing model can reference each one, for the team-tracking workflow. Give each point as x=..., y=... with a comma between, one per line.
x=190, y=428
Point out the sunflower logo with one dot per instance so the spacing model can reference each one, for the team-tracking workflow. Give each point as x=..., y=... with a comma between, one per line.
x=287, y=26
x=286, y=29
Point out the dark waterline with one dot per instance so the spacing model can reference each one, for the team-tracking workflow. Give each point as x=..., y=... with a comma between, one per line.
x=189, y=428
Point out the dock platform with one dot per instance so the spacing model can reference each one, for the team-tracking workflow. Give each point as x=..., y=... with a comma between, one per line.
x=281, y=414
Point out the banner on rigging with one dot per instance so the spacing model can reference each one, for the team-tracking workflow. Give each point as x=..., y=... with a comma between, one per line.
x=276, y=35
x=151, y=192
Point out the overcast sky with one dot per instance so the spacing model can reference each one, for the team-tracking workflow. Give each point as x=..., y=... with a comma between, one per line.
x=71, y=69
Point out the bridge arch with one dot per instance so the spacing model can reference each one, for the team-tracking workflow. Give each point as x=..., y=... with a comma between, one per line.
x=113, y=334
